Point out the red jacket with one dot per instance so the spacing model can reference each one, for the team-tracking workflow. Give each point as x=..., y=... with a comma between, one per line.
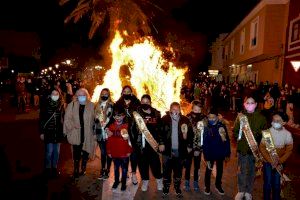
x=116, y=146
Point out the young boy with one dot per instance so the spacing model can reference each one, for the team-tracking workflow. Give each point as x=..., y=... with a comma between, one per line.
x=118, y=146
x=197, y=120
x=216, y=148
x=282, y=142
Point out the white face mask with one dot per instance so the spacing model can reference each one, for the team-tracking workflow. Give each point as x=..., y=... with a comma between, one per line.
x=54, y=97
x=276, y=125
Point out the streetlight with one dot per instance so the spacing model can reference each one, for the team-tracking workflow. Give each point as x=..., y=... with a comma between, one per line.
x=31, y=73
x=56, y=66
x=50, y=68
x=46, y=70
x=68, y=62
x=12, y=71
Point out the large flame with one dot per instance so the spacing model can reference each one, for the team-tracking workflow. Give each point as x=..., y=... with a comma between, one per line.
x=147, y=76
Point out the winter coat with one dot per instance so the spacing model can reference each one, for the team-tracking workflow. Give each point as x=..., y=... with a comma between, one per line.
x=72, y=121
x=216, y=143
x=165, y=137
x=116, y=145
x=108, y=112
x=51, y=121
x=194, y=119
x=153, y=123
x=257, y=123
x=134, y=104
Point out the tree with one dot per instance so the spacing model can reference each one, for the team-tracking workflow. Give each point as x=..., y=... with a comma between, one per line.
x=123, y=15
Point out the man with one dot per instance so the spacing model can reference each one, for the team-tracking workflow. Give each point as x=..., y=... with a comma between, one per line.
x=146, y=155
x=175, y=142
x=246, y=159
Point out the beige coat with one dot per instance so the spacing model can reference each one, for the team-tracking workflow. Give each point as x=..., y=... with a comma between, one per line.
x=72, y=124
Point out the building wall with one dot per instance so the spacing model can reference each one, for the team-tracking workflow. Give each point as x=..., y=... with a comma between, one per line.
x=291, y=76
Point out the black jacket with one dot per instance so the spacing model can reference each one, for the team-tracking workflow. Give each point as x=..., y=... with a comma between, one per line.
x=165, y=136
x=51, y=121
x=153, y=123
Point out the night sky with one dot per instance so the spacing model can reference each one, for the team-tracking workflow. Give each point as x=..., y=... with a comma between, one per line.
x=46, y=17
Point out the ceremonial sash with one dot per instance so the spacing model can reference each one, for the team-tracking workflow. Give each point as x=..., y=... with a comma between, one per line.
x=199, y=134
x=245, y=128
x=100, y=116
x=270, y=146
x=144, y=130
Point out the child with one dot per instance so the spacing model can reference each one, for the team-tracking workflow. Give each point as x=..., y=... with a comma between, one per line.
x=216, y=148
x=283, y=143
x=195, y=118
x=118, y=146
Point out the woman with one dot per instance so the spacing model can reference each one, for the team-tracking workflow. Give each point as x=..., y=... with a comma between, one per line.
x=103, y=115
x=130, y=103
x=51, y=123
x=78, y=126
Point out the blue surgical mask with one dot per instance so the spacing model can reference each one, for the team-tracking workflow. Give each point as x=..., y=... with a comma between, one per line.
x=211, y=121
x=54, y=97
x=276, y=125
x=82, y=99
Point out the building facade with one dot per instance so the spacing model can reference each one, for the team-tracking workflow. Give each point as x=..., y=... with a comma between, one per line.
x=291, y=73
x=254, y=50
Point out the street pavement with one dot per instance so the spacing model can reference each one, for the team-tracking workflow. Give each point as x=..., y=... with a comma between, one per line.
x=21, y=164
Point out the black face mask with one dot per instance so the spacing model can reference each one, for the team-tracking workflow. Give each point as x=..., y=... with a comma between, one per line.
x=104, y=98
x=127, y=96
x=145, y=106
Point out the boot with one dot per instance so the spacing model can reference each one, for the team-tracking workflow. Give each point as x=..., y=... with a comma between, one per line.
x=76, y=169
x=83, y=167
x=166, y=187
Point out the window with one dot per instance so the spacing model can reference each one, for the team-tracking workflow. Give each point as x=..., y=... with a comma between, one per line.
x=232, y=48
x=242, y=42
x=226, y=52
x=254, y=33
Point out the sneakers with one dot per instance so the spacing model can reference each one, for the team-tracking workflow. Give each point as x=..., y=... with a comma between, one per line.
x=105, y=174
x=145, y=184
x=196, y=186
x=220, y=190
x=123, y=187
x=239, y=196
x=160, y=185
x=101, y=177
x=207, y=191
x=165, y=191
x=187, y=185
x=115, y=185
x=178, y=193
x=134, y=179
x=248, y=196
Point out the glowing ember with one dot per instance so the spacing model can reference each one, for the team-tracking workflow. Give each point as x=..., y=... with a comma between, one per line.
x=145, y=63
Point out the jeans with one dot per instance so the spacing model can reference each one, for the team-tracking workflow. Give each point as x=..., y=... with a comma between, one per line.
x=188, y=165
x=51, y=155
x=246, y=173
x=123, y=163
x=172, y=164
x=271, y=182
x=133, y=161
x=105, y=160
x=218, y=182
x=149, y=158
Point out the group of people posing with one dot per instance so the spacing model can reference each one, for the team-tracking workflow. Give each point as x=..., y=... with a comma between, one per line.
x=166, y=144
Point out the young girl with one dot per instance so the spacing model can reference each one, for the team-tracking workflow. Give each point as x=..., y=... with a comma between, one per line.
x=195, y=118
x=118, y=146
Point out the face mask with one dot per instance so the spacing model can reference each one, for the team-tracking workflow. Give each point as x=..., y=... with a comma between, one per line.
x=54, y=97
x=276, y=125
x=119, y=119
x=104, y=98
x=145, y=106
x=250, y=107
x=174, y=115
x=127, y=96
x=211, y=121
x=81, y=99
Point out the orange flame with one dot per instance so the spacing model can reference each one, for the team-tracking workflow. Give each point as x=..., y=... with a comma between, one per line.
x=145, y=61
